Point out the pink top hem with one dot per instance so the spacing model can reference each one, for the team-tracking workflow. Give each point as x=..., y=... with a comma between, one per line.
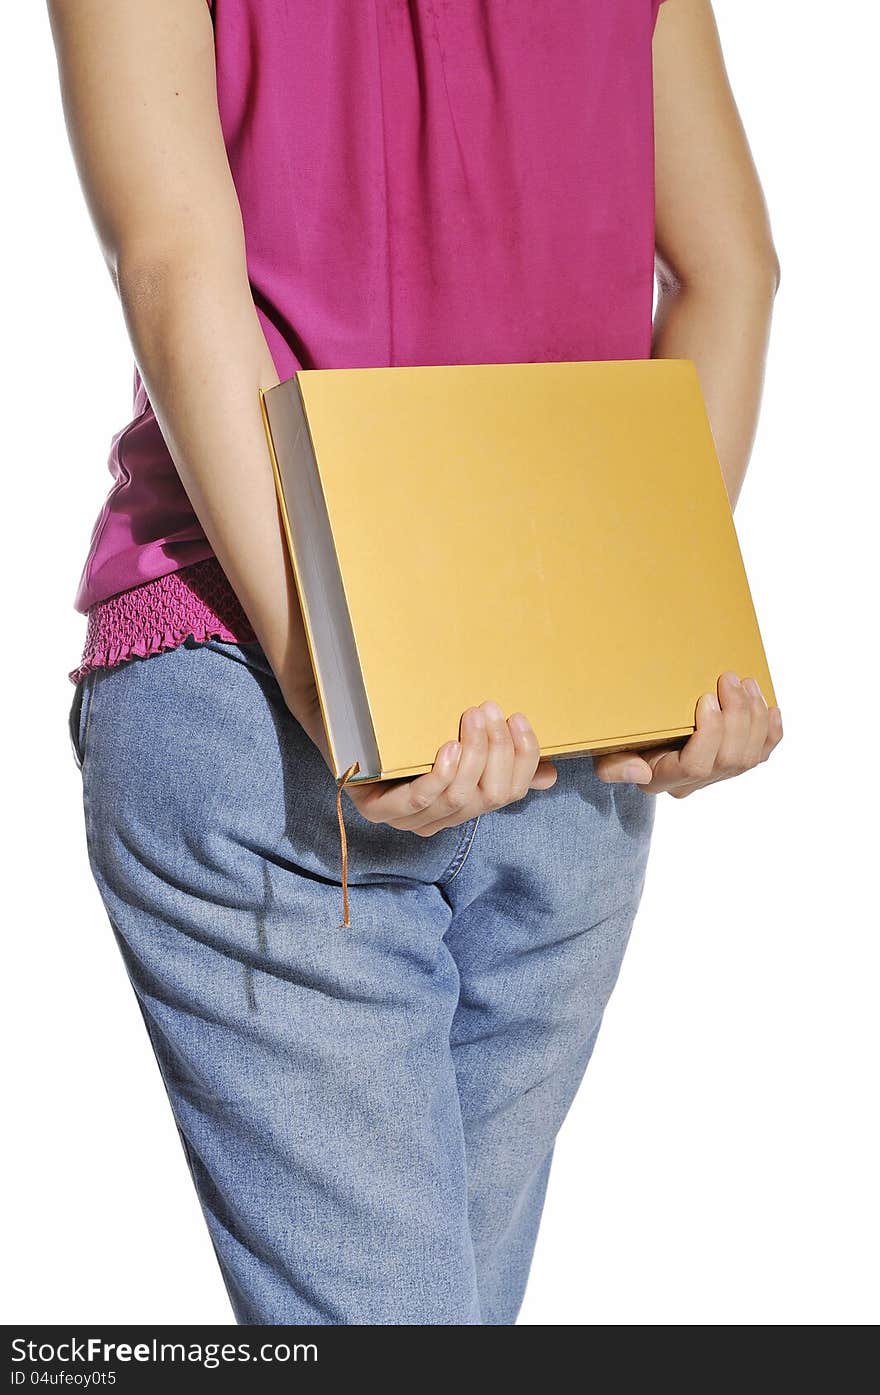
x=195, y=602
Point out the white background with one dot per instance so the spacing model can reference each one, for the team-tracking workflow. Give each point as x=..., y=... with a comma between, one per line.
x=720, y=1165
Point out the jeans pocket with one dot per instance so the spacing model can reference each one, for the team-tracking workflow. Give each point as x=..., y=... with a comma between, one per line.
x=78, y=718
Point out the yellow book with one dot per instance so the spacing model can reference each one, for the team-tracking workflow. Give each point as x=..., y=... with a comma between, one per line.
x=556, y=536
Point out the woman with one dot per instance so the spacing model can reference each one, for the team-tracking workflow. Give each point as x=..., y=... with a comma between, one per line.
x=369, y=1114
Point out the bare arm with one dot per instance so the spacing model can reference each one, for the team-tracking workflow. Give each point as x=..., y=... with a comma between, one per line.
x=138, y=86
x=718, y=275
x=138, y=82
x=717, y=265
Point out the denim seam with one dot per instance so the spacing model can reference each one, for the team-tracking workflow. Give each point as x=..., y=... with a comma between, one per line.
x=460, y=857
x=88, y=698
x=78, y=718
x=74, y=712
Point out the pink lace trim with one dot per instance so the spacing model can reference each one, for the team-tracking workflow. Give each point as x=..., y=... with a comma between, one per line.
x=195, y=602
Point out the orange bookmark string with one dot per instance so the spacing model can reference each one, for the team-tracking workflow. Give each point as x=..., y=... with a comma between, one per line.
x=343, y=841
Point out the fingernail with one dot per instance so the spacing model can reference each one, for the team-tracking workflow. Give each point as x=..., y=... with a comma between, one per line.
x=520, y=723
x=493, y=711
x=753, y=687
x=734, y=678
x=451, y=751
x=478, y=720
x=712, y=703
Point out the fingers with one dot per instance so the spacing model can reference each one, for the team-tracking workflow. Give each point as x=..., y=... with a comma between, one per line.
x=495, y=783
x=455, y=803
x=498, y=762
x=754, y=749
x=408, y=800
x=733, y=732
x=737, y=708
x=728, y=739
x=774, y=731
x=475, y=750
x=500, y=759
x=527, y=759
x=545, y=776
x=766, y=731
x=495, y=762
x=696, y=762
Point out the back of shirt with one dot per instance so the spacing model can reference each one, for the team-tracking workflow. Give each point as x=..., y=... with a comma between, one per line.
x=421, y=181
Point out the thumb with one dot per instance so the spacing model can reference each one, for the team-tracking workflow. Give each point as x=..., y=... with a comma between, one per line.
x=624, y=767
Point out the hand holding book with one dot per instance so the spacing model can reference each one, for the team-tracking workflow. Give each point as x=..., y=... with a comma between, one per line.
x=735, y=730
x=495, y=762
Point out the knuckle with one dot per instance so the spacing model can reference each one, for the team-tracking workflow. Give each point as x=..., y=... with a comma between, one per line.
x=452, y=802
x=419, y=801
x=498, y=734
x=696, y=767
x=527, y=739
x=726, y=763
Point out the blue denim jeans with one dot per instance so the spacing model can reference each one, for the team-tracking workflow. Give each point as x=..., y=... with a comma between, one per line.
x=368, y=1114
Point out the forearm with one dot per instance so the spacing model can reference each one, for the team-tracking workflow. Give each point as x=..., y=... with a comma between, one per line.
x=715, y=252
x=172, y=234
x=202, y=355
x=724, y=327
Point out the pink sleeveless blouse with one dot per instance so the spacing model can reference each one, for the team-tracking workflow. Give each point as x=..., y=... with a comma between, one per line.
x=421, y=181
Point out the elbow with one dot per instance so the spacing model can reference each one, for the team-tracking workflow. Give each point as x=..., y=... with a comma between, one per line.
x=749, y=270
x=761, y=269
x=153, y=275
x=145, y=277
